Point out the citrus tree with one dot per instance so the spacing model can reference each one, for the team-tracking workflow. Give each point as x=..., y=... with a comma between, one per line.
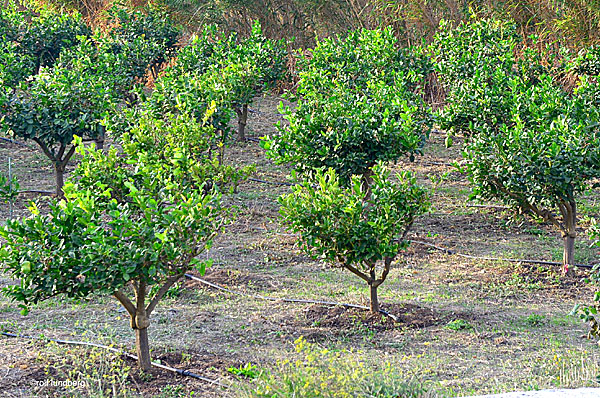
x=359, y=103
x=53, y=107
x=130, y=221
x=194, y=94
x=358, y=58
x=260, y=63
x=343, y=225
x=540, y=164
x=41, y=33
x=148, y=38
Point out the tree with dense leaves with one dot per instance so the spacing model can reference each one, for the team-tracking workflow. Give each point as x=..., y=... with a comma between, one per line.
x=345, y=226
x=129, y=221
x=259, y=60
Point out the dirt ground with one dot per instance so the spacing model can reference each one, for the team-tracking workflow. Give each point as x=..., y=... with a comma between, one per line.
x=465, y=326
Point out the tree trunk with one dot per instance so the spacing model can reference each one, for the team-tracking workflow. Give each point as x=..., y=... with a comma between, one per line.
x=242, y=119
x=143, y=349
x=374, y=299
x=59, y=176
x=568, y=255
x=569, y=213
x=141, y=327
x=101, y=136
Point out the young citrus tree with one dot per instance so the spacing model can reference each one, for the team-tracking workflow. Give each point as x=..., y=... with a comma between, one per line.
x=129, y=222
x=341, y=224
x=260, y=61
x=147, y=38
x=54, y=107
x=41, y=34
x=265, y=60
x=359, y=104
x=358, y=58
x=540, y=165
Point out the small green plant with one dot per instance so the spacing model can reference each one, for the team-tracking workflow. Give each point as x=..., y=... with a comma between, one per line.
x=172, y=391
x=248, y=370
x=534, y=320
x=459, y=324
x=361, y=228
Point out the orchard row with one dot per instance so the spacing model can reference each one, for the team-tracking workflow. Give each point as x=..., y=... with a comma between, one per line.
x=131, y=220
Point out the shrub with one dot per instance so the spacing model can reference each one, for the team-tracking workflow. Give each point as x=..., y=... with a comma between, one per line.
x=355, y=227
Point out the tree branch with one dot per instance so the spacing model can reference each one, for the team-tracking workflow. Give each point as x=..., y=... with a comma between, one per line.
x=162, y=291
x=45, y=149
x=66, y=159
x=61, y=152
x=357, y=272
x=123, y=299
x=386, y=270
x=544, y=214
x=140, y=295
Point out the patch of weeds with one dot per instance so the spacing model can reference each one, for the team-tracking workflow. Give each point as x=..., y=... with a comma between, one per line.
x=145, y=376
x=533, y=230
x=568, y=368
x=534, y=320
x=248, y=371
x=172, y=391
x=459, y=324
x=319, y=372
x=361, y=329
x=565, y=320
x=519, y=282
x=96, y=373
x=186, y=358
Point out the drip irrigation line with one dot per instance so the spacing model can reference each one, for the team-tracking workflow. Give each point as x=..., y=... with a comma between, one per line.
x=510, y=260
x=15, y=142
x=120, y=352
x=285, y=300
x=490, y=206
x=288, y=184
x=37, y=191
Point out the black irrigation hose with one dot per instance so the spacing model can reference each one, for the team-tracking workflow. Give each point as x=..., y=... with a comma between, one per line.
x=37, y=191
x=285, y=300
x=510, y=260
x=288, y=184
x=15, y=142
x=128, y=355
